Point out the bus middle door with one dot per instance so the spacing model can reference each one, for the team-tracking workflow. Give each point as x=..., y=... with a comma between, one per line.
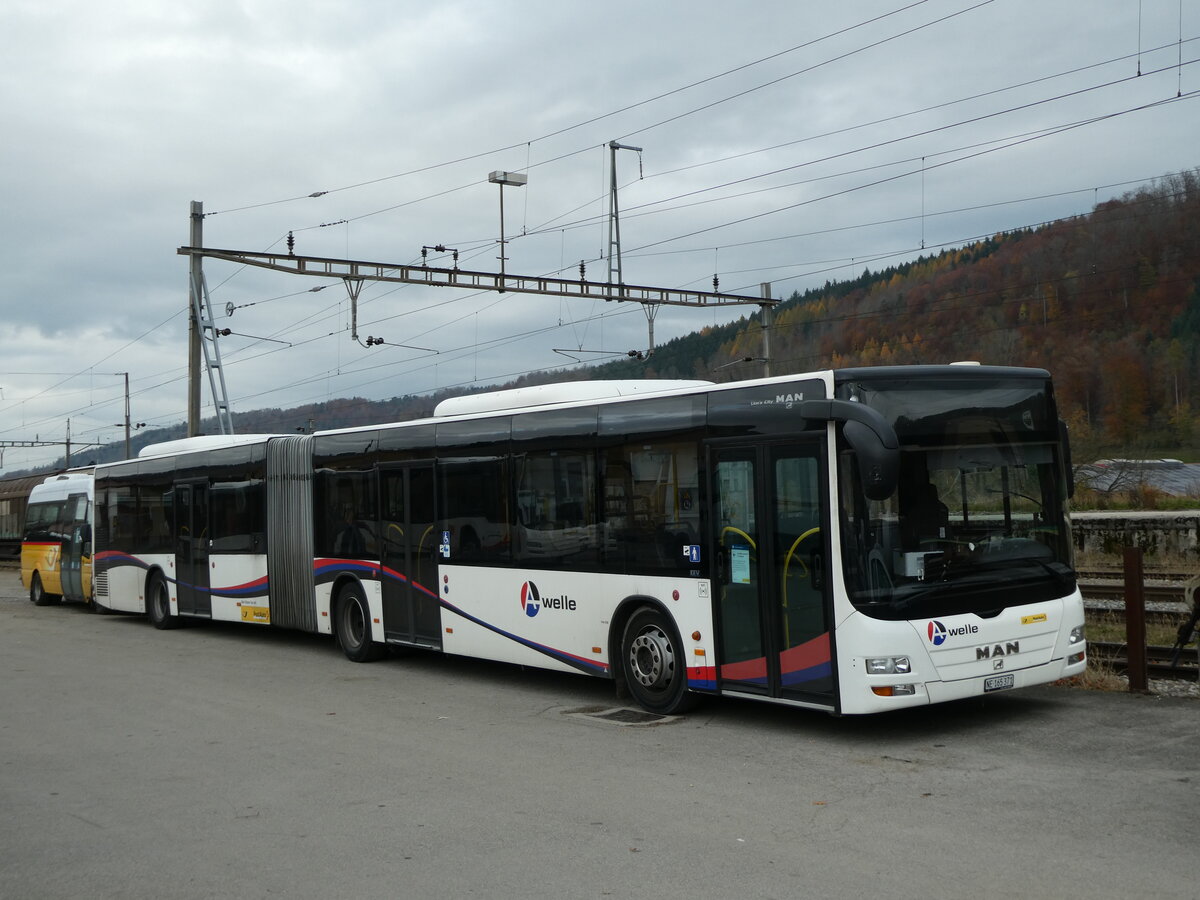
x=191, y=548
x=408, y=554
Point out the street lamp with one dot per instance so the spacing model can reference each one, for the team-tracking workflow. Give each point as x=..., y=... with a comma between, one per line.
x=512, y=179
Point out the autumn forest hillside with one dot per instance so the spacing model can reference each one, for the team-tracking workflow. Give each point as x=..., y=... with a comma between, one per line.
x=1109, y=302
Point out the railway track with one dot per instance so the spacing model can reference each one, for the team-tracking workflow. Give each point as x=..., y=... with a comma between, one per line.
x=1164, y=594
x=1158, y=659
x=1115, y=591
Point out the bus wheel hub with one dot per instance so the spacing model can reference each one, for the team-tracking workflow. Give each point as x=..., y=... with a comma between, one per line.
x=651, y=661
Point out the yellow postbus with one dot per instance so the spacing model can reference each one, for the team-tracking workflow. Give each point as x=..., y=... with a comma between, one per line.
x=56, y=546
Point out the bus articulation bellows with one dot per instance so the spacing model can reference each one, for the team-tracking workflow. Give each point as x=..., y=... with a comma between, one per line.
x=849, y=540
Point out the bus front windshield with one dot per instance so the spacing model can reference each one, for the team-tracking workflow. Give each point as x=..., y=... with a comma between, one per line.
x=977, y=522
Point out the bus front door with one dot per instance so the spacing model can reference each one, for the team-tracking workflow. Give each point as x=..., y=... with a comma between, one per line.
x=771, y=549
x=408, y=555
x=76, y=548
x=191, y=549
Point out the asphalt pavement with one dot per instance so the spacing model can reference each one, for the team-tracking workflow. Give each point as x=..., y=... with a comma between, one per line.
x=240, y=761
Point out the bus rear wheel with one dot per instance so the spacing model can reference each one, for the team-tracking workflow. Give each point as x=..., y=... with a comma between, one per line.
x=354, y=626
x=38, y=594
x=158, y=604
x=653, y=663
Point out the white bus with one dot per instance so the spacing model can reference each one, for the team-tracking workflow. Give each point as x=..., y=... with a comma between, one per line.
x=851, y=540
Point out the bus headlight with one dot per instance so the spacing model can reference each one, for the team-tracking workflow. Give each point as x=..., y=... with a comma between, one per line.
x=888, y=665
x=1076, y=634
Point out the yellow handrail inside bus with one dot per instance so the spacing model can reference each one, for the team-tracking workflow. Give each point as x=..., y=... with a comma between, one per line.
x=753, y=546
x=787, y=561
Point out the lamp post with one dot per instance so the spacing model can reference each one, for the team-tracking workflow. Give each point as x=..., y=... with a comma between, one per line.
x=512, y=179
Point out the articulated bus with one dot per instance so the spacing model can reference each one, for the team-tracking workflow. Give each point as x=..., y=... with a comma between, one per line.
x=56, y=546
x=852, y=540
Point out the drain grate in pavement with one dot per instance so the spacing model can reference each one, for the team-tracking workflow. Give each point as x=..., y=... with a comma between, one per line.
x=619, y=715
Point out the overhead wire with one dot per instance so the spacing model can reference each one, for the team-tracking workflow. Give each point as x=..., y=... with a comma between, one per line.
x=586, y=122
x=647, y=208
x=735, y=96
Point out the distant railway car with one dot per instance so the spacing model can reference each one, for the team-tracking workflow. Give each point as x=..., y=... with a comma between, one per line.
x=14, y=495
x=56, y=547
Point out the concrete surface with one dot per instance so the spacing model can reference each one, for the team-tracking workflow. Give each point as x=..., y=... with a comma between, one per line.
x=234, y=761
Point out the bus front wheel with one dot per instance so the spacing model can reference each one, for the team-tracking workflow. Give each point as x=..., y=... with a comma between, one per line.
x=38, y=594
x=653, y=663
x=354, y=626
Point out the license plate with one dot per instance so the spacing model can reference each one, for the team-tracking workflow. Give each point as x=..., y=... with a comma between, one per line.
x=999, y=682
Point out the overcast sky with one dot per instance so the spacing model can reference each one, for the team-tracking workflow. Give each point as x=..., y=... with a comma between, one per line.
x=786, y=142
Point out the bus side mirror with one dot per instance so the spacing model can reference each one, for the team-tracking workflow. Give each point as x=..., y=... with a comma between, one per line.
x=872, y=438
x=878, y=464
x=1064, y=440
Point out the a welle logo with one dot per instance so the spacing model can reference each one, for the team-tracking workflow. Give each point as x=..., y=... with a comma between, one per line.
x=533, y=602
x=939, y=633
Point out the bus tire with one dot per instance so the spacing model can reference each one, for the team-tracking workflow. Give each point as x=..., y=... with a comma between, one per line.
x=354, y=626
x=158, y=604
x=38, y=594
x=653, y=663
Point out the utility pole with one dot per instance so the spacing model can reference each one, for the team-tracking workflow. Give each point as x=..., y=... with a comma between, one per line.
x=127, y=454
x=196, y=273
x=766, y=313
x=614, y=216
x=202, y=336
x=129, y=424
x=614, y=241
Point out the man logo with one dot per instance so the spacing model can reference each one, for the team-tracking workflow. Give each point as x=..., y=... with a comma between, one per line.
x=531, y=601
x=937, y=633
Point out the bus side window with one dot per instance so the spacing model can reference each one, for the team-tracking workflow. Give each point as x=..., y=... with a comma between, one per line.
x=651, y=506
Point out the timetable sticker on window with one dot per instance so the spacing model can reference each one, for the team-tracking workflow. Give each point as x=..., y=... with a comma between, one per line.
x=739, y=565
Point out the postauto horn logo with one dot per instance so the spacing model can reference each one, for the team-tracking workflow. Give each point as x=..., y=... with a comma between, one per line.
x=531, y=601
